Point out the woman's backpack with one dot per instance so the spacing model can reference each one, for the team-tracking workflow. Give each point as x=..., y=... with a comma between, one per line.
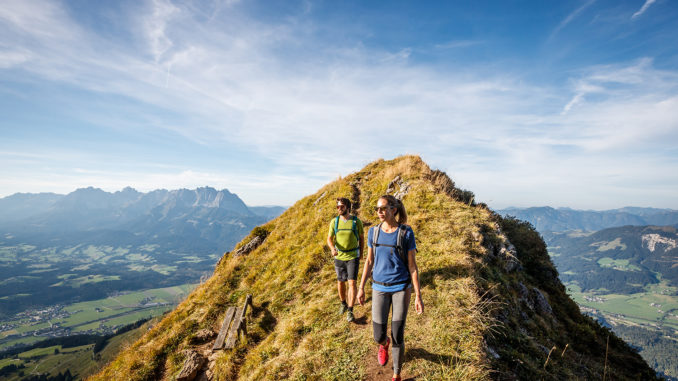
x=399, y=247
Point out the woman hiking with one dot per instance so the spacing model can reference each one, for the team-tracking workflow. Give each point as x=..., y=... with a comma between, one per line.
x=391, y=261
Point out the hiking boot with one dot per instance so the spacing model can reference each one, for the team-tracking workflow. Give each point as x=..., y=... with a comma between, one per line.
x=343, y=309
x=382, y=356
x=349, y=316
x=396, y=378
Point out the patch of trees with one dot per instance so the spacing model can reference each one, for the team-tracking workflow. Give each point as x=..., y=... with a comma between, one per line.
x=614, y=280
x=11, y=368
x=101, y=343
x=65, y=376
x=65, y=342
x=656, y=348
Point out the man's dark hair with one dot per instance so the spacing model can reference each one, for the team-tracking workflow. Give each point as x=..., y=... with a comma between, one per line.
x=345, y=201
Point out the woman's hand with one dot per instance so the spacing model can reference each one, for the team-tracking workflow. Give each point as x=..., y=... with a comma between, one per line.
x=361, y=296
x=418, y=304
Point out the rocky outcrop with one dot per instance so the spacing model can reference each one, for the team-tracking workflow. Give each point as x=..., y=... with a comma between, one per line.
x=203, y=336
x=250, y=246
x=398, y=187
x=502, y=250
x=192, y=365
x=540, y=303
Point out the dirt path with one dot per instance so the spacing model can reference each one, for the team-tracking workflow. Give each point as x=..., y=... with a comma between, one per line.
x=378, y=372
x=374, y=371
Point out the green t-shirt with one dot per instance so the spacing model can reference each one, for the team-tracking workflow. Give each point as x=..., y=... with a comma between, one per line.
x=345, y=239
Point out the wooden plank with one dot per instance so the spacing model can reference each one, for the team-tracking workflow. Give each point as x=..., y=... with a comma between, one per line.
x=224, y=328
x=239, y=323
x=248, y=300
x=235, y=327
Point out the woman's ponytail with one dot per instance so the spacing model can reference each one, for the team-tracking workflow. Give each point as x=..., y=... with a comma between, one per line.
x=401, y=214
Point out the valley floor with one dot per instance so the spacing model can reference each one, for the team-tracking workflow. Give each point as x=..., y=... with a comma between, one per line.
x=96, y=317
x=647, y=321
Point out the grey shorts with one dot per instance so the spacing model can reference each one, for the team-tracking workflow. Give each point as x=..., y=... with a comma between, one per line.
x=347, y=270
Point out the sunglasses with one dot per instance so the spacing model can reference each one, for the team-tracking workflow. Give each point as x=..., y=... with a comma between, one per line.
x=341, y=206
x=381, y=208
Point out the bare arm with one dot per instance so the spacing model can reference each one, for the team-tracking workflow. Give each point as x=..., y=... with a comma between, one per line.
x=330, y=243
x=367, y=269
x=414, y=273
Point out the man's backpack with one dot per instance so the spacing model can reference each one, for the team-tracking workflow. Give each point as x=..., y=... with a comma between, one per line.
x=354, y=229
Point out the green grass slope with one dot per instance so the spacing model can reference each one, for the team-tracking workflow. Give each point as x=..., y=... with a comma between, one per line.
x=493, y=310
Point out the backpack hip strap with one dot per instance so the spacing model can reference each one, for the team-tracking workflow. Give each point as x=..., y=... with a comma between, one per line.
x=390, y=284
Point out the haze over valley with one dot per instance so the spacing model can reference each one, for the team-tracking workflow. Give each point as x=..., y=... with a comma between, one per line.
x=60, y=250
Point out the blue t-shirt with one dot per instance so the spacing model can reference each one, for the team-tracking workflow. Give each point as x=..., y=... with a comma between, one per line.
x=388, y=266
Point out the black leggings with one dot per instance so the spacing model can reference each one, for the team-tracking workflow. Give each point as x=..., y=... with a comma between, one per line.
x=381, y=305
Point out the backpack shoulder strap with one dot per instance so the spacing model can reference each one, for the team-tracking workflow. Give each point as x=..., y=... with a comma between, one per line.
x=336, y=225
x=354, y=227
x=375, y=235
x=400, y=242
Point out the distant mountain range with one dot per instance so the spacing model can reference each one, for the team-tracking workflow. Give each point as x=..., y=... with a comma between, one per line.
x=546, y=218
x=622, y=260
x=51, y=245
x=206, y=218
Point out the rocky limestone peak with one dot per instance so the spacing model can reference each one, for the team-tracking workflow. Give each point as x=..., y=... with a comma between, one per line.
x=653, y=241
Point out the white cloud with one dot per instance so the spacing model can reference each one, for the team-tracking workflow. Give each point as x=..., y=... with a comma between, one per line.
x=630, y=107
x=10, y=58
x=155, y=26
x=643, y=8
x=40, y=18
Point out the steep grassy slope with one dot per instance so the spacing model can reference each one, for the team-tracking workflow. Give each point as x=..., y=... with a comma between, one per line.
x=485, y=314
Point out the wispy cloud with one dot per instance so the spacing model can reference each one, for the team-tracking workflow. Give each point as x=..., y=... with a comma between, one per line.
x=155, y=25
x=36, y=17
x=643, y=8
x=456, y=44
x=573, y=15
x=629, y=106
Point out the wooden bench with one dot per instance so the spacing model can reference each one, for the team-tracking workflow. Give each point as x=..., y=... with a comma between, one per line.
x=233, y=324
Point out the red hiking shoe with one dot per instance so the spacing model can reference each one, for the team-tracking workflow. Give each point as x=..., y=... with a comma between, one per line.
x=397, y=378
x=382, y=356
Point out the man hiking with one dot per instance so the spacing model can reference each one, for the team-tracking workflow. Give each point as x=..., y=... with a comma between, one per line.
x=346, y=242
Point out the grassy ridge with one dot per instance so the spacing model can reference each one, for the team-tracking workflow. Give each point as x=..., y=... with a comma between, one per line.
x=295, y=332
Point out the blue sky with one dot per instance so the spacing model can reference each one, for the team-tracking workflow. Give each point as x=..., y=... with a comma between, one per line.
x=560, y=103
